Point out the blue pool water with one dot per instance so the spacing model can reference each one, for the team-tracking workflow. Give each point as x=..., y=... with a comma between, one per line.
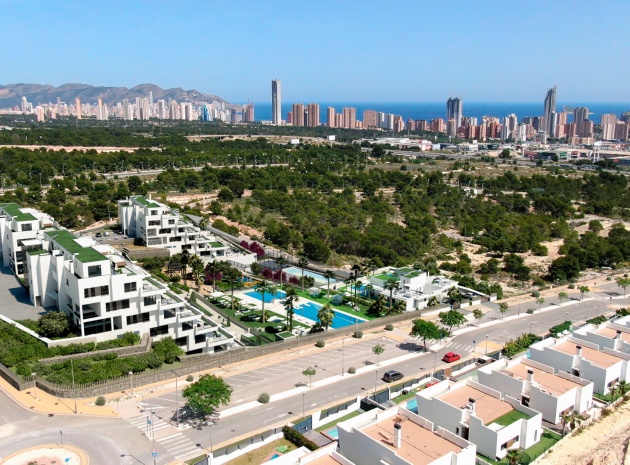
x=333, y=433
x=309, y=310
x=274, y=456
x=412, y=405
x=319, y=278
x=268, y=297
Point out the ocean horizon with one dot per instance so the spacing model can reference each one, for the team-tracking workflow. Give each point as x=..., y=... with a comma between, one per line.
x=431, y=110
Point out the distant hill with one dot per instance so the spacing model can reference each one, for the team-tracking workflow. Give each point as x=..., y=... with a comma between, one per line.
x=11, y=94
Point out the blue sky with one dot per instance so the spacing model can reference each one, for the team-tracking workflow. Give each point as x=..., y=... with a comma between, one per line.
x=326, y=51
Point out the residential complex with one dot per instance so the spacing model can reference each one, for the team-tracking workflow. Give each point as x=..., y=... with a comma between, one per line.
x=159, y=226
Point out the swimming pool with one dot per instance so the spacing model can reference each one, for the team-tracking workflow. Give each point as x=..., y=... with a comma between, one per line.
x=333, y=433
x=274, y=456
x=268, y=297
x=412, y=405
x=309, y=310
x=319, y=278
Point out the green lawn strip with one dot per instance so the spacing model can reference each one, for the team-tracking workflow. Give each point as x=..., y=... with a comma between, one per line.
x=261, y=453
x=361, y=313
x=606, y=398
x=404, y=397
x=510, y=417
x=333, y=423
x=547, y=440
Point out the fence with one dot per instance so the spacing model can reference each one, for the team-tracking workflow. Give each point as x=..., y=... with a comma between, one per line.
x=245, y=443
x=142, y=348
x=336, y=409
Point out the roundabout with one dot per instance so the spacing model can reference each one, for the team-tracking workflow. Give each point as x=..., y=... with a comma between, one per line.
x=49, y=454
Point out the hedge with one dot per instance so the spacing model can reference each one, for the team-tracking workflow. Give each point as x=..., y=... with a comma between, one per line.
x=298, y=439
x=555, y=330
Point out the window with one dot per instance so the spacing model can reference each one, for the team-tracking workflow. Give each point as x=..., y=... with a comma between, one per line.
x=27, y=227
x=152, y=300
x=94, y=270
x=171, y=221
x=154, y=212
x=130, y=287
x=95, y=291
x=67, y=282
x=118, y=305
x=135, y=319
x=154, y=223
x=104, y=290
x=159, y=330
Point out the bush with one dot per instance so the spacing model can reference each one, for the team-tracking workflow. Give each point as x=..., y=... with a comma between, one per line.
x=352, y=370
x=190, y=378
x=598, y=320
x=358, y=334
x=320, y=343
x=514, y=346
x=100, y=401
x=530, y=311
x=557, y=329
x=571, y=286
x=263, y=398
x=536, y=294
x=389, y=327
x=298, y=439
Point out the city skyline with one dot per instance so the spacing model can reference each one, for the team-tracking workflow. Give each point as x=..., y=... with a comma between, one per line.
x=522, y=60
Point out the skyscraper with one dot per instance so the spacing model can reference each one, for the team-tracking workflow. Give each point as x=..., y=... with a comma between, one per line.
x=77, y=104
x=276, y=102
x=369, y=119
x=248, y=113
x=454, y=111
x=580, y=114
x=313, y=114
x=298, y=114
x=550, y=107
x=349, y=117
x=331, y=117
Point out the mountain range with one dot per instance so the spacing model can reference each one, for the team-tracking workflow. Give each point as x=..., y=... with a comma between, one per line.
x=11, y=94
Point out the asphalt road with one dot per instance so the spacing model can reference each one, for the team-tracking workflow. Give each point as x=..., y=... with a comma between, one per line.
x=110, y=441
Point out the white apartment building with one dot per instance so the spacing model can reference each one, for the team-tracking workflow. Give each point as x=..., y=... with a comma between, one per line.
x=399, y=437
x=538, y=386
x=612, y=335
x=604, y=367
x=157, y=225
x=492, y=421
x=18, y=228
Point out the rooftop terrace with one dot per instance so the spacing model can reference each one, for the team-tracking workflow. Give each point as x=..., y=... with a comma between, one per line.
x=147, y=203
x=596, y=357
x=67, y=241
x=487, y=407
x=547, y=381
x=13, y=209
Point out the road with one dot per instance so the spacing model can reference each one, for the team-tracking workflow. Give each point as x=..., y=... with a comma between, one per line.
x=106, y=439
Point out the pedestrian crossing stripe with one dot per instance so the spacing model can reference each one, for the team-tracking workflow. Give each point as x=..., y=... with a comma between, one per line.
x=178, y=445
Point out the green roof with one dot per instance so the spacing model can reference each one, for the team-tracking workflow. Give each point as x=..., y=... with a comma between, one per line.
x=217, y=244
x=145, y=202
x=413, y=274
x=405, y=270
x=13, y=209
x=67, y=240
x=36, y=252
x=510, y=417
x=382, y=277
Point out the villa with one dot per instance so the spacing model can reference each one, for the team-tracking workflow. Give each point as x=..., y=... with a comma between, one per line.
x=612, y=335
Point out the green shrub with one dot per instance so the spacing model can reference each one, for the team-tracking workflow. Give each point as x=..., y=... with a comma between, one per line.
x=358, y=334
x=514, y=346
x=571, y=286
x=320, y=343
x=100, y=401
x=389, y=327
x=24, y=369
x=598, y=320
x=190, y=378
x=536, y=294
x=530, y=311
x=622, y=312
x=557, y=329
x=263, y=398
x=298, y=439
x=352, y=370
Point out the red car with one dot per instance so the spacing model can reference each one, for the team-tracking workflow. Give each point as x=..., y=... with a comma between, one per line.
x=451, y=357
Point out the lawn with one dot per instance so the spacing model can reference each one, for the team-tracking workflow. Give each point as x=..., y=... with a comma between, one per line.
x=361, y=312
x=510, y=418
x=404, y=397
x=259, y=324
x=327, y=426
x=259, y=455
x=547, y=440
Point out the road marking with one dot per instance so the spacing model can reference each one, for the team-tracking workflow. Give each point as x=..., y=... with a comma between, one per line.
x=178, y=445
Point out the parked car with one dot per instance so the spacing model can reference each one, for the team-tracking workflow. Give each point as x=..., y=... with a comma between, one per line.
x=451, y=357
x=98, y=234
x=392, y=375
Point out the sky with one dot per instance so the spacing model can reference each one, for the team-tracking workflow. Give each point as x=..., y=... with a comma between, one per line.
x=326, y=51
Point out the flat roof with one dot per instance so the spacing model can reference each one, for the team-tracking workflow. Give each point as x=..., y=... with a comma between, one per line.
x=596, y=357
x=547, y=381
x=13, y=209
x=67, y=240
x=612, y=333
x=324, y=460
x=487, y=407
x=419, y=446
x=147, y=203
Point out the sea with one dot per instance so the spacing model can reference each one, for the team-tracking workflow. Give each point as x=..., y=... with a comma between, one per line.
x=431, y=110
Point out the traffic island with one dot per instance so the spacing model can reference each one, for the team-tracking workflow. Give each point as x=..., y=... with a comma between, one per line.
x=48, y=454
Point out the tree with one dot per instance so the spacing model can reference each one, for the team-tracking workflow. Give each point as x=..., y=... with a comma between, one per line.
x=478, y=315
x=213, y=267
x=583, y=290
x=289, y=301
x=540, y=301
x=232, y=277
x=203, y=223
x=562, y=296
x=303, y=263
x=184, y=260
x=503, y=308
x=505, y=154
x=378, y=349
x=512, y=454
x=197, y=267
x=54, y=324
x=167, y=349
x=325, y=316
x=316, y=249
x=264, y=288
x=623, y=283
x=569, y=419
x=328, y=274
x=280, y=261
x=310, y=372
x=206, y=394
x=425, y=330
x=454, y=295
x=433, y=302
x=451, y=318
x=397, y=309
x=377, y=308
x=392, y=284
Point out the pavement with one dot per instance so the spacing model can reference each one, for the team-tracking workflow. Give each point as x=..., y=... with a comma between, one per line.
x=14, y=301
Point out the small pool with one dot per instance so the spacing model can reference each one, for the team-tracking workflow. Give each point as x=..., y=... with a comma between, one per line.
x=333, y=433
x=274, y=456
x=319, y=278
x=412, y=405
x=309, y=310
x=268, y=297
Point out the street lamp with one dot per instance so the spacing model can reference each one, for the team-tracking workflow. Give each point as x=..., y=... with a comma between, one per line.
x=74, y=392
x=375, y=382
x=530, y=328
x=303, y=410
x=567, y=318
x=342, y=355
x=176, y=399
x=434, y=362
x=61, y=434
x=34, y=384
x=131, y=381
x=486, y=345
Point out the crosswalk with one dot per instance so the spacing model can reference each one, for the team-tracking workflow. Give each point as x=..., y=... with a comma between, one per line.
x=147, y=424
x=454, y=346
x=178, y=445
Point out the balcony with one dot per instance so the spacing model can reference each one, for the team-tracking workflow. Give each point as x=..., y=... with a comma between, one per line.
x=186, y=315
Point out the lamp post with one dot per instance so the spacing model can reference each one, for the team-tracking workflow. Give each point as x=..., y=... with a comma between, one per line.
x=176, y=399
x=375, y=382
x=530, y=328
x=342, y=355
x=303, y=409
x=61, y=434
x=131, y=382
x=34, y=384
x=567, y=316
x=74, y=392
x=486, y=345
x=434, y=363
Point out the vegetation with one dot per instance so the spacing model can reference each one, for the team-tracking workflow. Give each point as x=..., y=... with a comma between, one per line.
x=558, y=329
x=378, y=349
x=427, y=330
x=100, y=401
x=298, y=439
x=514, y=346
x=207, y=394
x=263, y=398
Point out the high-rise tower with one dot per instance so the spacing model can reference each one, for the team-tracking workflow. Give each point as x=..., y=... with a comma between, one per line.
x=276, y=102
x=550, y=107
x=454, y=111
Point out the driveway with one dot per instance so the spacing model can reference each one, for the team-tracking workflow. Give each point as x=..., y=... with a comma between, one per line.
x=14, y=301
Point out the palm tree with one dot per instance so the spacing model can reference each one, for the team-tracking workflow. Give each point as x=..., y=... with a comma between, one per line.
x=197, y=269
x=624, y=387
x=391, y=285
x=290, y=299
x=328, y=274
x=264, y=288
x=513, y=456
x=357, y=274
x=302, y=263
x=569, y=419
x=184, y=260
x=352, y=280
x=203, y=223
x=213, y=268
x=280, y=261
x=325, y=316
x=232, y=277
x=396, y=309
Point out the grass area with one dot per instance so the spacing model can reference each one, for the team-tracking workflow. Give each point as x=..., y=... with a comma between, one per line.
x=339, y=420
x=547, y=441
x=404, y=397
x=605, y=398
x=510, y=417
x=361, y=312
x=257, y=324
x=259, y=455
